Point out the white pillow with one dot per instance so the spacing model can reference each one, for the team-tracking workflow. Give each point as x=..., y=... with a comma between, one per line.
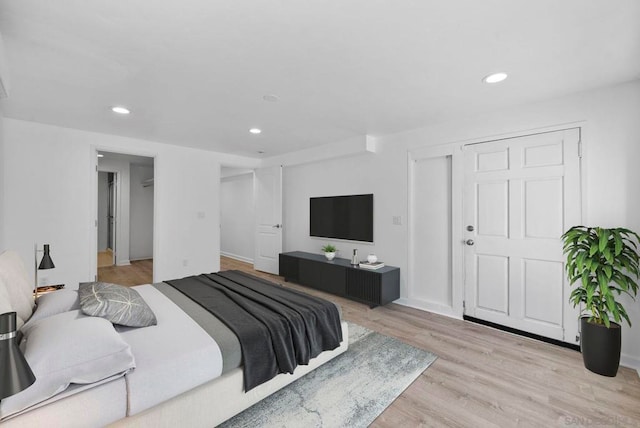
x=5, y=303
x=68, y=348
x=16, y=281
x=55, y=303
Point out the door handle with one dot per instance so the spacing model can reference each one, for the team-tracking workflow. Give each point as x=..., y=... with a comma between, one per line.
x=469, y=242
x=277, y=226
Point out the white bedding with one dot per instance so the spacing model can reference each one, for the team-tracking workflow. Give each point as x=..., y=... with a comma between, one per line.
x=214, y=402
x=93, y=407
x=172, y=357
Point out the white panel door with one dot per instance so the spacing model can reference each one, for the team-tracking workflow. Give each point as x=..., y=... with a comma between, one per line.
x=520, y=195
x=268, y=232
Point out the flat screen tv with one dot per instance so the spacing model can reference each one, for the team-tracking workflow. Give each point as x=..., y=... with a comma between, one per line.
x=342, y=217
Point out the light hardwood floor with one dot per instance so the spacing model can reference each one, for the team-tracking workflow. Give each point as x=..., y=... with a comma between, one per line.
x=483, y=377
x=105, y=258
x=137, y=273
x=488, y=378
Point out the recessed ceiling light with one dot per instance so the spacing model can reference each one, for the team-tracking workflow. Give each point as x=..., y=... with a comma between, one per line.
x=495, y=77
x=255, y=130
x=271, y=98
x=120, y=110
x=100, y=155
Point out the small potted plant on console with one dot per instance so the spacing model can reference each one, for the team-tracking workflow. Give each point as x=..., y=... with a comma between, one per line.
x=603, y=264
x=329, y=251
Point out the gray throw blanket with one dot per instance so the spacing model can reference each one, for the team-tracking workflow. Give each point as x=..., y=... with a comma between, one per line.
x=278, y=328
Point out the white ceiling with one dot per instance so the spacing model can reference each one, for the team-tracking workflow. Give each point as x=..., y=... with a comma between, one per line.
x=194, y=72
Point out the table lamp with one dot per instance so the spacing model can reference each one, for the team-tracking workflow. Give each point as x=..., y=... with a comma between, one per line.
x=15, y=373
x=45, y=263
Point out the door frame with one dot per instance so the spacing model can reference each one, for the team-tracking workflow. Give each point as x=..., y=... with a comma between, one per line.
x=456, y=148
x=93, y=164
x=249, y=167
x=112, y=227
x=114, y=232
x=241, y=171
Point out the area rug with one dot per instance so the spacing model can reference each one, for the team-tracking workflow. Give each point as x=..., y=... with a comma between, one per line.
x=349, y=391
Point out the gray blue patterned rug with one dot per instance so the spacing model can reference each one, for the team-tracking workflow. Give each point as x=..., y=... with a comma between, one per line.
x=349, y=391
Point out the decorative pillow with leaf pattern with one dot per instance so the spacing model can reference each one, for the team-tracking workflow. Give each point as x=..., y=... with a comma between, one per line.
x=116, y=303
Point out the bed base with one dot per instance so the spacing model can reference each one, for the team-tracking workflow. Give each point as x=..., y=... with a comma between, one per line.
x=214, y=402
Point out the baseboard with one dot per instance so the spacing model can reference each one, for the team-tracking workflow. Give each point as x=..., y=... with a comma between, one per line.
x=137, y=259
x=435, y=308
x=631, y=362
x=123, y=263
x=236, y=257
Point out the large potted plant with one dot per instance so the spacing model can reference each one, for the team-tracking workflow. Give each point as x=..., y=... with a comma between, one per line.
x=603, y=265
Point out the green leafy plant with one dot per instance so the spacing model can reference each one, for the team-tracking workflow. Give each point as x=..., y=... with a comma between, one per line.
x=604, y=264
x=329, y=248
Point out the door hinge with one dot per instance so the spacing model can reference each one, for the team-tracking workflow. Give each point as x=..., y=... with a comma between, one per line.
x=464, y=305
x=580, y=149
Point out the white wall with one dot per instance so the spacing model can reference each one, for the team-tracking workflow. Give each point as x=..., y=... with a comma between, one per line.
x=141, y=214
x=611, y=150
x=52, y=199
x=2, y=181
x=103, y=210
x=237, y=237
x=346, y=176
x=121, y=168
x=433, y=265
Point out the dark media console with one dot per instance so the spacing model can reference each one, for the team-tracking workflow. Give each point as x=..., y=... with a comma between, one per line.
x=338, y=276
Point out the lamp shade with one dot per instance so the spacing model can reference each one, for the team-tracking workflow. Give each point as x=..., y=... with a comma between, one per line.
x=46, y=262
x=15, y=373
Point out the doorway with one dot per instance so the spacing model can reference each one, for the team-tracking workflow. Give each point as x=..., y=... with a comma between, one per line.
x=107, y=200
x=251, y=216
x=520, y=195
x=237, y=214
x=125, y=218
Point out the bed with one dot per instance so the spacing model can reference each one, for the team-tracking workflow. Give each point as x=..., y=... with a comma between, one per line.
x=187, y=369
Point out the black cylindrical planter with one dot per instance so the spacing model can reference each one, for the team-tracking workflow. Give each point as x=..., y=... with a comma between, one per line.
x=600, y=347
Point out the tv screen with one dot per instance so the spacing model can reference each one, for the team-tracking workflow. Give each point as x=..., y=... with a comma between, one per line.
x=342, y=217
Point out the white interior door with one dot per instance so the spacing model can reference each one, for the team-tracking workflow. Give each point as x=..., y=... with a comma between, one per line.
x=268, y=203
x=521, y=194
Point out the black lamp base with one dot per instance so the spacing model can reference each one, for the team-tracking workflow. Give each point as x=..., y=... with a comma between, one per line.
x=15, y=372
